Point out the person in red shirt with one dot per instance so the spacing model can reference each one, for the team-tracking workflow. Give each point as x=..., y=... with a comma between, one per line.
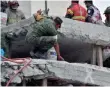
x=76, y=11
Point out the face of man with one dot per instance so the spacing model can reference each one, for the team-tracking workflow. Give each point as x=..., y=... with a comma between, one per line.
x=87, y=4
x=58, y=26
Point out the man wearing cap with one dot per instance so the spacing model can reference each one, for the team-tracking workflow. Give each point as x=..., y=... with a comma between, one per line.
x=44, y=36
x=76, y=11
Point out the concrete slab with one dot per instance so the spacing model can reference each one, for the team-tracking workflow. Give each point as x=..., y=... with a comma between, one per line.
x=84, y=73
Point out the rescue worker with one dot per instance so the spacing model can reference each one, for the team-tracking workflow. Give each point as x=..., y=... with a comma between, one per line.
x=94, y=15
x=107, y=15
x=76, y=11
x=13, y=13
x=44, y=36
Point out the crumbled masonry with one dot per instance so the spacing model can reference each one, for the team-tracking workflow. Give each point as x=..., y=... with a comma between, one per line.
x=74, y=72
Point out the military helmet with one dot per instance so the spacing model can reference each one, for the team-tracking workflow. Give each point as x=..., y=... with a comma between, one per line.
x=107, y=11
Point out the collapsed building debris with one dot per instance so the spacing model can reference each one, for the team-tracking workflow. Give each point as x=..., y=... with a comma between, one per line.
x=62, y=71
x=85, y=32
x=79, y=35
x=76, y=39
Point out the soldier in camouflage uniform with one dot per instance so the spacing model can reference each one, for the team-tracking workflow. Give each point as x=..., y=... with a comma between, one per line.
x=44, y=36
x=107, y=15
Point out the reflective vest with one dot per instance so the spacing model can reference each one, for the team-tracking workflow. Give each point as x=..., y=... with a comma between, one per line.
x=96, y=17
x=78, y=12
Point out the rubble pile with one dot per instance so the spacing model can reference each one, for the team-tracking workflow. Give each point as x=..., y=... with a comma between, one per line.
x=73, y=39
x=69, y=72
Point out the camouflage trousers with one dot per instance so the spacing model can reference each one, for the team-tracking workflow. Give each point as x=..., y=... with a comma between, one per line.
x=46, y=55
x=42, y=47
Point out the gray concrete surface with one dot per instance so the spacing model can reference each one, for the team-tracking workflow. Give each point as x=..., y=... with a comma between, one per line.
x=39, y=69
x=75, y=39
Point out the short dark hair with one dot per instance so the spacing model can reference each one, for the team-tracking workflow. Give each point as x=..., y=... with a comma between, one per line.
x=75, y=1
x=58, y=20
x=91, y=2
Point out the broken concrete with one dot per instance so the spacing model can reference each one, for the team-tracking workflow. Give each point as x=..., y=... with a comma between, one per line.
x=75, y=39
x=19, y=25
x=85, y=32
x=39, y=69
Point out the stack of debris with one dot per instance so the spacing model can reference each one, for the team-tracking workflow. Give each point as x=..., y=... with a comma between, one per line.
x=76, y=39
x=64, y=72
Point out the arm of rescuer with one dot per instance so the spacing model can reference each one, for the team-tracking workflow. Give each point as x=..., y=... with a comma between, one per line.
x=69, y=13
x=52, y=30
x=56, y=46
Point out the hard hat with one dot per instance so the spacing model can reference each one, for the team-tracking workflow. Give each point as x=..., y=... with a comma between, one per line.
x=107, y=11
x=13, y=3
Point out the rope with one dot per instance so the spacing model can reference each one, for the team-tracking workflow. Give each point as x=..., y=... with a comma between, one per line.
x=19, y=61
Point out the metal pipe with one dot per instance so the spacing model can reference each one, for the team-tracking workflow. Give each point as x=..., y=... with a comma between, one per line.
x=93, y=59
x=46, y=10
x=44, y=82
x=100, y=56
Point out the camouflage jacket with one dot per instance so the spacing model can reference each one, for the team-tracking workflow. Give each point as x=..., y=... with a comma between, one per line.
x=44, y=34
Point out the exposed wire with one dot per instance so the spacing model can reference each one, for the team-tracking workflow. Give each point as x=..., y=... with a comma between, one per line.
x=19, y=61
